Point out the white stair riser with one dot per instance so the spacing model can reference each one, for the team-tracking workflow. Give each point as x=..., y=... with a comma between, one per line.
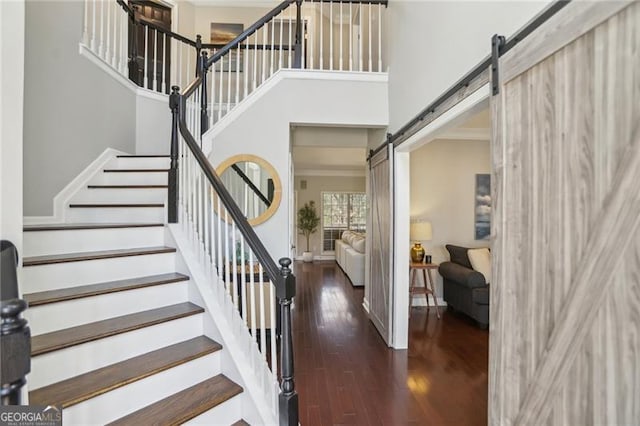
x=71, y=274
x=57, y=316
x=69, y=362
x=116, y=215
x=141, y=163
x=125, y=400
x=130, y=178
x=120, y=195
x=227, y=413
x=72, y=241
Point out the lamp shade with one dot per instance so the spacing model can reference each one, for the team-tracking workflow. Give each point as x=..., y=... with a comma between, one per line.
x=421, y=231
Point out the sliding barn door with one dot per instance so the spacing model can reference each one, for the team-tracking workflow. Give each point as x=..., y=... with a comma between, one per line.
x=381, y=235
x=565, y=298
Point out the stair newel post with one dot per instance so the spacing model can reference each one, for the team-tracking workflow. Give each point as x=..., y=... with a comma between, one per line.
x=297, y=60
x=288, y=399
x=198, y=50
x=174, y=104
x=204, y=114
x=15, y=335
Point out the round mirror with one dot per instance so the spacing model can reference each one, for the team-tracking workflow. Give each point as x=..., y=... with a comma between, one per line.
x=254, y=185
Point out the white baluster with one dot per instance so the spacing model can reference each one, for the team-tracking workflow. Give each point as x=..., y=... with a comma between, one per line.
x=93, y=26
x=219, y=237
x=85, y=27
x=264, y=54
x=108, y=46
x=243, y=281
x=207, y=227
x=146, y=56
x=341, y=37
x=370, y=56
x=312, y=42
x=280, y=50
x=163, y=72
x=229, y=61
x=213, y=91
x=245, y=71
x=122, y=57
x=263, y=339
x=188, y=76
x=154, y=58
x=114, y=50
x=235, y=267
x=290, y=35
x=360, y=44
x=350, y=36
x=273, y=321
x=179, y=64
x=255, y=60
x=331, y=36
x=226, y=252
x=238, y=54
x=379, y=38
x=252, y=296
x=101, y=52
x=272, y=50
x=221, y=100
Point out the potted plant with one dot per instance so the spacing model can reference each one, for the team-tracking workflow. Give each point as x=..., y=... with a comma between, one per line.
x=308, y=221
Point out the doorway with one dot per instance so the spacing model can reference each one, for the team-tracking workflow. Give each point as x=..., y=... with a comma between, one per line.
x=149, y=48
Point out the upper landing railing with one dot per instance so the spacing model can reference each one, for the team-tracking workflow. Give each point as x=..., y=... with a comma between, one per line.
x=332, y=35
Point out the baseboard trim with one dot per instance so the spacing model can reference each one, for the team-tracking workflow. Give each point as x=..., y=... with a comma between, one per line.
x=365, y=305
x=319, y=257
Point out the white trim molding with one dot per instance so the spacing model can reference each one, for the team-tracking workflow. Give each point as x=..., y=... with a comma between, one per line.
x=63, y=197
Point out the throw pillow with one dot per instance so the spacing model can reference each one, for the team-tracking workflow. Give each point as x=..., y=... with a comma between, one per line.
x=481, y=261
x=459, y=255
x=359, y=245
x=345, y=236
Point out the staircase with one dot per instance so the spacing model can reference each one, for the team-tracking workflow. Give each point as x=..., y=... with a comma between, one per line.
x=116, y=337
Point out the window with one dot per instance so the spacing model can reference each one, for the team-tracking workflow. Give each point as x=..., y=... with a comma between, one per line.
x=342, y=211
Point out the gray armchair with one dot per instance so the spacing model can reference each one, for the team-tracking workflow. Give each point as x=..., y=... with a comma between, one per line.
x=465, y=290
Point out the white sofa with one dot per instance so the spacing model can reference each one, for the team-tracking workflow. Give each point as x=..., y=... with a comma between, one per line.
x=350, y=256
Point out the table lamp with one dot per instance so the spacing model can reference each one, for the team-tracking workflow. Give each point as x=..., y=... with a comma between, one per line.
x=420, y=231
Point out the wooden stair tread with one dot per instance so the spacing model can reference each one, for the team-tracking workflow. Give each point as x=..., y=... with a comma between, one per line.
x=78, y=226
x=110, y=205
x=127, y=186
x=135, y=170
x=85, y=386
x=49, y=342
x=142, y=156
x=93, y=255
x=241, y=423
x=63, y=294
x=185, y=405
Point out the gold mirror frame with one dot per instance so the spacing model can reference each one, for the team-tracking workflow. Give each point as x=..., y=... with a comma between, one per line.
x=277, y=184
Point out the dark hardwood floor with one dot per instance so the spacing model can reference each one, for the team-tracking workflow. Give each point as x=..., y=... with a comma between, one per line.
x=346, y=375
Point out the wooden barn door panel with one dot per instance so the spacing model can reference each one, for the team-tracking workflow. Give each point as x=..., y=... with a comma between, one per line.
x=381, y=235
x=565, y=302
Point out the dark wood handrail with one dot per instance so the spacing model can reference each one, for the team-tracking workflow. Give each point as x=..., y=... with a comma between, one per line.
x=251, y=185
x=263, y=256
x=248, y=32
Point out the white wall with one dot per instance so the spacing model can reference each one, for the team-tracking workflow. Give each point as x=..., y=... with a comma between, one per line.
x=153, y=125
x=73, y=109
x=432, y=44
x=443, y=192
x=315, y=186
x=262, y=127
x=11, y=116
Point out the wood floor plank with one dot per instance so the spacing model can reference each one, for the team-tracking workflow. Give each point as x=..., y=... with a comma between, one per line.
x=49, y=342
x=83, y=387
x=81, y=226
x=93, y=255
x=346, y=374
x=60, y=295
x=185, y=405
